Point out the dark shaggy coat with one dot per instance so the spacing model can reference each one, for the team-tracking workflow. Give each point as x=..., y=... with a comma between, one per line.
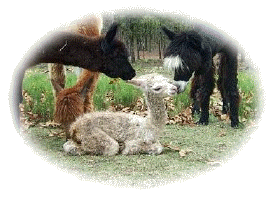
x=192, y=52
x=90, y=27
x=104, y=54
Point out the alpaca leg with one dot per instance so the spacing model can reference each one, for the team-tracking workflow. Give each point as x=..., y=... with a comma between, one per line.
x=204, y=119
x=72, y=148
x=66, y=128
x=203, y=95
x=99, y=143
x=132, y=147
x=88, y=102
x=220, y=84
x=231, y=86
x=222, y=81
x=232, y=98
x=225, y=109
x=57, y=74
x=153, y=148
x=196, y=107
x=195, y=85
x=233, y=95
x=138, y=146
x=234, y=106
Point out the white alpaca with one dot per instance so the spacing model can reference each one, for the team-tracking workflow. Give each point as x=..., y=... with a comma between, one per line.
x=107, y=133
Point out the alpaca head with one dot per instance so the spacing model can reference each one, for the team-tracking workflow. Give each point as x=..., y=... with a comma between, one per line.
x=155, y=84
x=183, y=55
x=115, y=57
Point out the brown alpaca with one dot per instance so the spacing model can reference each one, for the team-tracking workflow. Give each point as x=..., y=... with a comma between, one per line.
x=91, y=27
x=103, y=53
x=75, y=101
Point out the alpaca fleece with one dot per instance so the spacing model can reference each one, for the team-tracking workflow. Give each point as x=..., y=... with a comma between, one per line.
x=108, y=133
x=192, y=52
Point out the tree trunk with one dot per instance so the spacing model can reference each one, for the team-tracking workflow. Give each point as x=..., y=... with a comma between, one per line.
x=159, y=49
x=132, y=50
x=138, y=48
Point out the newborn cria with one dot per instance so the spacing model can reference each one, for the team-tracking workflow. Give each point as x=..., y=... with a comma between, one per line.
x=107, y=133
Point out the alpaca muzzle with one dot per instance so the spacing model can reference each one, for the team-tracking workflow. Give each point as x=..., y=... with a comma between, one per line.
x=181, y=86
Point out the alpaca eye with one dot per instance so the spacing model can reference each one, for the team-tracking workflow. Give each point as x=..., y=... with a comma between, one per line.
x=157, y=89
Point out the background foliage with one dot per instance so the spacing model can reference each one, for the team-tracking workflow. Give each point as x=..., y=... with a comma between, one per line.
x=146, y=42
x=116, y=94
x=142, y=33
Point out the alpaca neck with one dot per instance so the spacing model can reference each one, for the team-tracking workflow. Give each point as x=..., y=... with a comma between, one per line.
x=157, y=111
x=56, y=50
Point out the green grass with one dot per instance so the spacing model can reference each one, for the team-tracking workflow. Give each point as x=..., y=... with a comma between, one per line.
x=37, y=85
x=71, y=80
x=207, y=146
x=250, y=93
x=115, y=93
x=182, y=101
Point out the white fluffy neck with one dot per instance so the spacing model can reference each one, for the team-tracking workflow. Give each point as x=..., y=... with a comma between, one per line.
x=157, y=111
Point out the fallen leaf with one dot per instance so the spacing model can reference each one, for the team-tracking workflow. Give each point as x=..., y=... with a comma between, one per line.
x=126, y=110
x=176, y=148
x=114, y=81
x=222, y=133
x=183, y=153
x=224, y=117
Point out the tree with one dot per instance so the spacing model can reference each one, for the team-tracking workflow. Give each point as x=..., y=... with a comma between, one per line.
x=142, y=32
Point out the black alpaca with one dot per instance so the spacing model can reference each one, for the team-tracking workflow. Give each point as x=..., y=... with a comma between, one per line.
x=101, y=54
x=192, y=52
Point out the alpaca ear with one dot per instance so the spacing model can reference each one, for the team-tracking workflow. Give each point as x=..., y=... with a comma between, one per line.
x=110, y=35
x=56, y=85
x=168, y=32
x=137, y=82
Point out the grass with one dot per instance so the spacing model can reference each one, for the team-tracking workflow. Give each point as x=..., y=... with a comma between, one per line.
x=37, y=86
x=249, y=90
x=207, y=146
x=109, y=92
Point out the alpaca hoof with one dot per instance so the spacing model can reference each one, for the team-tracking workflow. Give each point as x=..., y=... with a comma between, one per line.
x=71, y=148
x=235, y=125
x=155, y=150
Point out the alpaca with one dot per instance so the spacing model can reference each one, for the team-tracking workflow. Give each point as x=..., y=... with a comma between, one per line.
x=192, y=52
x=108, y=133
x=75, y=101
x=103, y=54
x=90, y=26
x=56, y=74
